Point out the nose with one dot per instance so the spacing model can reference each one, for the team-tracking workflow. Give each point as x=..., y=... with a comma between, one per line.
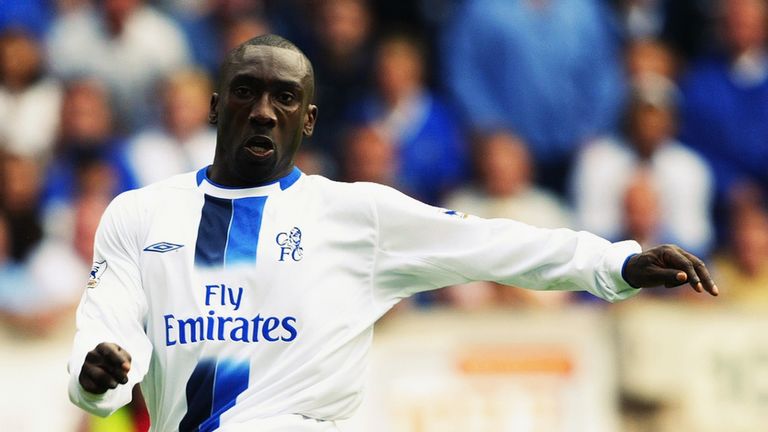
x=262, y=113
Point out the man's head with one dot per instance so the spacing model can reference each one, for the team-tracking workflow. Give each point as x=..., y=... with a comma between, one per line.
x=651, y=113
x=185, y=102
x=262, y=111
x=503, y=163
x=743, y=25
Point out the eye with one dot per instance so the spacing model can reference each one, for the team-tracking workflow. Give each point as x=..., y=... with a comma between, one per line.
x=242, y=92
x=286, y=97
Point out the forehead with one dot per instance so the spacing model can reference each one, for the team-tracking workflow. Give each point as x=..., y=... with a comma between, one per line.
x=269, y=63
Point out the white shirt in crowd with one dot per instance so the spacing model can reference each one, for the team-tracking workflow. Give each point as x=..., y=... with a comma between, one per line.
x=682, y=179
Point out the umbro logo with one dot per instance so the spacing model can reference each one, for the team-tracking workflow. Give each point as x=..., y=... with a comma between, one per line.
x=162, y=247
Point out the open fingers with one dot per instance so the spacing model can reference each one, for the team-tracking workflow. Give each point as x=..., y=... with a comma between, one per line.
x=685, y=271
x=702, y=275
x=693, y=269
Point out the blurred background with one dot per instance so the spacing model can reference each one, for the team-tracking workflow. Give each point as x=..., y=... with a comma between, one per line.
x=643, y=119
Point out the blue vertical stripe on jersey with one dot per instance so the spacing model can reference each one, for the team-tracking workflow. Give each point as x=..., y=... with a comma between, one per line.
x=231, y=380
x=213, y=231
x=199, y=396
x=244, y=230
x=212, y=389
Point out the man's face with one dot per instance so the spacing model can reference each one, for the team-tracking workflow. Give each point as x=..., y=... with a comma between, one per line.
x=262, y=113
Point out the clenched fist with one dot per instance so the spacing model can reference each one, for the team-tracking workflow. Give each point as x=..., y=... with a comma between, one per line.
x=105, y=367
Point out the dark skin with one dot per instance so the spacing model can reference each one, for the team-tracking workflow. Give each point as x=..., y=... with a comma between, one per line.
x=262, y=114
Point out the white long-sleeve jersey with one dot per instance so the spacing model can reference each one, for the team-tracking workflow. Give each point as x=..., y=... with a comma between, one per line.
x=248, y=305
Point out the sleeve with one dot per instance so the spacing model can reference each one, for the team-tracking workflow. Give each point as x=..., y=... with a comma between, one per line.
x=112, y=309
x=421, y=247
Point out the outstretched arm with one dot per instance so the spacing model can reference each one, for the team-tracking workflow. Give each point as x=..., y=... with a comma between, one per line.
x=670, y=266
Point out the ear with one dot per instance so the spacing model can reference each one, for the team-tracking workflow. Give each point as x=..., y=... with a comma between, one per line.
x=213, y=113
x=309, y=120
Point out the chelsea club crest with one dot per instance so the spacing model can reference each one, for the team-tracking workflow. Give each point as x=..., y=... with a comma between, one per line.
x=290, y=245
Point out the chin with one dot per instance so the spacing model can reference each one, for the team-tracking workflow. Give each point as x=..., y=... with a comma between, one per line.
x=250, y=170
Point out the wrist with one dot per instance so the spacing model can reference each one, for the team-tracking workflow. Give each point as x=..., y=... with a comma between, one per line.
x=624, y=270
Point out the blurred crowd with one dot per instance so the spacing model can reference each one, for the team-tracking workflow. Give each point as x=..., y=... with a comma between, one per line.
x=643, y=119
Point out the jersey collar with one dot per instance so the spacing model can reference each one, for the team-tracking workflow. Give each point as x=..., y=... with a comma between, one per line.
x=212, y=188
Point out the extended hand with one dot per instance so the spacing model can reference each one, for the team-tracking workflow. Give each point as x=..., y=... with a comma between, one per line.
x=105, y=367
x=671, y=266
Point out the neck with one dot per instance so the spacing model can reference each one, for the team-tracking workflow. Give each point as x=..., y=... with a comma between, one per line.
x=226, y=178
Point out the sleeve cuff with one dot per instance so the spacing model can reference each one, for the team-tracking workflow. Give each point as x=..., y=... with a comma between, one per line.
x=624, y=270
x=613, y=265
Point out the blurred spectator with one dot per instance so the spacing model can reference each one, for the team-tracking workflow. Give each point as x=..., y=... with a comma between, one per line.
x=682, y=179
x=430, y=150
x=650, y=56
x=506, y=190
x=59, y=268
x=726, y=101
x=742, y=269
x=310, y=162
x=29, y=99
x=642, y=18
x=19, y=196
x=126, y=43
x=341, y=56
x=548, y=70
x=31, y=15
x=686, y=26
x=89, y=157
x=641, y=211
x=15, y=283
x=370, y=156
x=209, y=25
x=241, y=29
x=185, y=141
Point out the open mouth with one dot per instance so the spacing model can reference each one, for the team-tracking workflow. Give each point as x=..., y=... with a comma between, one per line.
x=260, y=147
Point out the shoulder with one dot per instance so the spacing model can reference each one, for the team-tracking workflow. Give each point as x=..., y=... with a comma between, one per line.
x=679, y=157
x=333, y=189
x=149, y=16
x=357, y=195
x=83, y=19
x=604, y=151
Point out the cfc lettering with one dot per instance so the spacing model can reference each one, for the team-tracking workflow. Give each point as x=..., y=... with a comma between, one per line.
x=226, y=328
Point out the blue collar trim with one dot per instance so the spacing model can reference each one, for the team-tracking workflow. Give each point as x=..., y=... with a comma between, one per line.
x=285, y=182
